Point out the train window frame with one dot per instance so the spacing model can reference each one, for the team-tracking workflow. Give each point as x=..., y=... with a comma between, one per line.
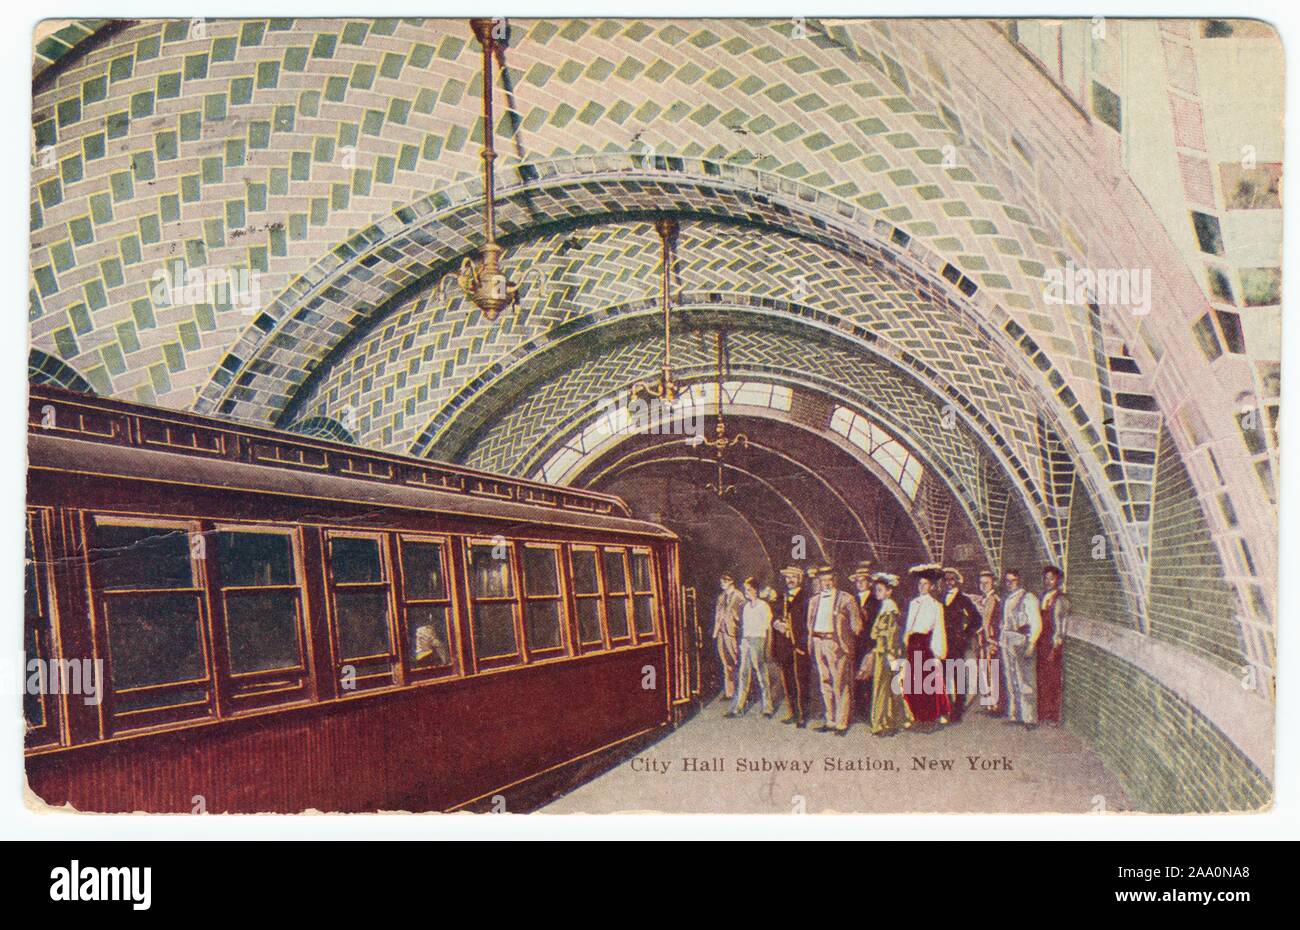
x=116, y=719
x=45, y=632
x=504, y=660
x=625, y=596
x=581, y=646
x=241, y=692
x=559, y=599
x=416, y=671
x=356, y=674
x=652, y=592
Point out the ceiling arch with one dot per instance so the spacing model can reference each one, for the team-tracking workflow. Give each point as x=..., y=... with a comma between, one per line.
x=597, y=272
x=519, y=426
x=524, y=428
x=549, y=222
x=874, y=109
x=587, y=356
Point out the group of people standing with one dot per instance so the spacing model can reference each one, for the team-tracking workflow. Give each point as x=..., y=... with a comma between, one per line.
x=858, y=650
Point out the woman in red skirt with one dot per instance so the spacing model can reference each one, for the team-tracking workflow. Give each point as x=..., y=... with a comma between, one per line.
x=1055, y=611
x=926, y=646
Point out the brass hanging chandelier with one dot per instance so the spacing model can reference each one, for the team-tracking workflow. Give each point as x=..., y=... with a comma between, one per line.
x=665, y=388
x=485, y=283
x=720, y=442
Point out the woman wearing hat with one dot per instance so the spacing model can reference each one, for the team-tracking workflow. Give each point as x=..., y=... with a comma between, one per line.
x=926, y=643
x=887, y=709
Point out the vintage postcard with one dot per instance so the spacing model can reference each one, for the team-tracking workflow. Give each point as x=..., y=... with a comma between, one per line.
x=545, y=415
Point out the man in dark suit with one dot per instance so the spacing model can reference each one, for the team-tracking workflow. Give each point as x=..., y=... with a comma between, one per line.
x=726, y=633
x=961, y=622
x=868, y=606
x=790, y=645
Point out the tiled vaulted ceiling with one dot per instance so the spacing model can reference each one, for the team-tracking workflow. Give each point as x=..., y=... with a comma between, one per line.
x=598, y=271
x=337, y=162
x=268, y=144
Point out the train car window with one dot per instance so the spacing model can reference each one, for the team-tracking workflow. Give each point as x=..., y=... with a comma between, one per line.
x=40, y=710
x=643, y=598
x=361, y=594
x=261, y=602
x=145, y=575
x=262, y=631
x=426, y=603
x=136, y=557
x=363, y=623
x=587, y=596
x=356, y=560
x=493, y=606
x=542, y=602
x=616, y=594
x=255, y=558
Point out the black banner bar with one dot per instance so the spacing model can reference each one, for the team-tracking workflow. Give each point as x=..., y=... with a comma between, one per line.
x=143, y=880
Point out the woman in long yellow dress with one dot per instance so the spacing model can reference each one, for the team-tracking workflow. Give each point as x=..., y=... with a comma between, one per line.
x=887, y=708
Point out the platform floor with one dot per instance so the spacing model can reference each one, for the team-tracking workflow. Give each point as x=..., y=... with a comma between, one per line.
x=755, y=765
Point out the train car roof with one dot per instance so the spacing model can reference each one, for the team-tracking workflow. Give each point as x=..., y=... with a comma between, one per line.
x=72, y=432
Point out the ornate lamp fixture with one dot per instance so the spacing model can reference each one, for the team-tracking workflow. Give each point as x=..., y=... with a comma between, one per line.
x=720, y=442
x=665, y=388
x=485, y=283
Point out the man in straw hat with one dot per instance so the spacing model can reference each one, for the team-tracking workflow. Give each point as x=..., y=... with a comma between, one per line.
x=790, y=644
x=834, y=623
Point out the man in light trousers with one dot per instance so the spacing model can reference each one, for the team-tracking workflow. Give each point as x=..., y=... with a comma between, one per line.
x=834, y=622
x=755, y=629
x=1021, y=626
x=726, y=627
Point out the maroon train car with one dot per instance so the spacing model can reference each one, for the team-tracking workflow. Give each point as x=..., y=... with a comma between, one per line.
x=263, y=621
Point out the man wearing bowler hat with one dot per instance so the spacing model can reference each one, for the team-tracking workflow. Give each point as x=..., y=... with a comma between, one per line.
x=790, y=644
